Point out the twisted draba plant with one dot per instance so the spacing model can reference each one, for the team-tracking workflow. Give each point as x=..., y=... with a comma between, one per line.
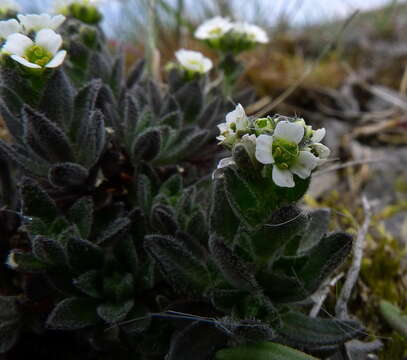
x=111, y=242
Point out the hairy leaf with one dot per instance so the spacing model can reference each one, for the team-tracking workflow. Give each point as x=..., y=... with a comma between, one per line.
x=262, y=351
x=179, y=267
x=198, y=341
x=36, y=202
x=81, y=214
x=73, y=314
x=300, y=329
x=45, y=137
x=68, y=175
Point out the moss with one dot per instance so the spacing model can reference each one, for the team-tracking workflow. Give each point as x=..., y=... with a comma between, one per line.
x=382, y=270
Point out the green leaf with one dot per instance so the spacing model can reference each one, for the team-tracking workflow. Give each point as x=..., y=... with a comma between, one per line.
x=302, y=330
x=285, y=224
x=181, y=145
x=235, y=271
x=125, y=250
x=394, y=317
x=9, y=308
x=147, y=145
x=222, y=220
x=45, y=137
x=84, y=104
x=36, y=202
x=12, y=121
x=90, y=283
x=57, y=99
x=198, y=341
x=197, y=226
x=91, y=139
x=81, y=214
x=135, y=74
x=9, y=333
x=163, y=219
x=141, y=313
x=324, y=258
x=173, y=119
x=262, y=351
x=114, y=312
x=244, y=198
x=68, y=175
x=281, y=288
x=48, y=250
x=186, y=273
x=173, y=186
x=244, y=161
x=114, y=231
x=317, y=227
x=117, y=75
x=83, y=255
x=118, y=287
x=190, y=99
x=144, y=193
x=73, y=314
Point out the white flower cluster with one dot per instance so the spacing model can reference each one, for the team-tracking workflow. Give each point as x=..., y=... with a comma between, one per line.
x=193, y=61
x=218, y=28
x=32, y=41
x=288, y=145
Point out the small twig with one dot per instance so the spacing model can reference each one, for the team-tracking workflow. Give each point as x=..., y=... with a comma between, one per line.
x=341, y=308
x=320, y=296
x=345, y=165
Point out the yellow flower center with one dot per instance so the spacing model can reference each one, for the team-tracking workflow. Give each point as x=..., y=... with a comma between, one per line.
x=285, y=153
x=38, y=55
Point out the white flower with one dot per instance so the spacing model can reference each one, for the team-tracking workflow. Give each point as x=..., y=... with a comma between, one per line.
x=252, y=32
x=35, y=22
x=213, y=28
x=8, y=27
x=321, y=150
x=43, y=52
x=282, y=150
x=236, y=121
x=10, y=261
x=9, y=5
x=193, y=61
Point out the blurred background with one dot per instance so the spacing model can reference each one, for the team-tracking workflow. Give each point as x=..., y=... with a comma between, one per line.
x=122, y=13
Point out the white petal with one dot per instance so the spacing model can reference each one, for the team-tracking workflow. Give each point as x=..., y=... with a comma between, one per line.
x=223, y=127
x=17, y=44
x=225, y=162
x=318, y=135
x=322, y=150
x=213, y=28
x=57, y=21
x=305, y=164
x=289, y=131
x=264, y=144
x=34, y=22
x=8, y=27
x=207, y=64
x=48, y=39
x=283, y=178
x=25, y=62
x=237, y=116
x=57, y=60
